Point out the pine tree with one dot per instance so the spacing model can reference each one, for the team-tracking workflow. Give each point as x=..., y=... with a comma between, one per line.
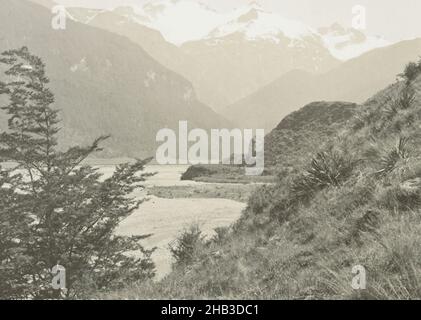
x=54, y=210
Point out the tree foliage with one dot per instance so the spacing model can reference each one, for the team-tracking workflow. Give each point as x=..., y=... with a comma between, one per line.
x=54, y=209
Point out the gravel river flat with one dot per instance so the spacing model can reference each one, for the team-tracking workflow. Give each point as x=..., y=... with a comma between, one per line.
x=165, y=219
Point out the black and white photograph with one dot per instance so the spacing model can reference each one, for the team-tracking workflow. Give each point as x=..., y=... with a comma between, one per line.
x=210, y=150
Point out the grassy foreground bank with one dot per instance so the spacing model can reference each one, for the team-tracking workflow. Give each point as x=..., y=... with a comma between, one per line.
x=356, y=202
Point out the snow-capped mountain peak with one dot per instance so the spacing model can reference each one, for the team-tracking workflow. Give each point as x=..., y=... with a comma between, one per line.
x=180, y=21
x=131, y=14
x=253, y=5
x=255, y=23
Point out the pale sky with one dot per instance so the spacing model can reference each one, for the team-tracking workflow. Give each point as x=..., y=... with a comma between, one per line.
x=393, y=19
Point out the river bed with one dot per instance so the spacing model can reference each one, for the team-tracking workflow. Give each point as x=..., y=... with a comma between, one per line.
x=165, y=219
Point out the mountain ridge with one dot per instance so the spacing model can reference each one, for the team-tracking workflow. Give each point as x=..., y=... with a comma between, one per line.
x=355, y=80
x=104, y=83
x=247, y=64
x=254, y=47
x=354, y=205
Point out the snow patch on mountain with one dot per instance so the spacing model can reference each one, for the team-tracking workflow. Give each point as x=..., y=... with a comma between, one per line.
x=180, y=21
x=130, y=14
x=254, y=23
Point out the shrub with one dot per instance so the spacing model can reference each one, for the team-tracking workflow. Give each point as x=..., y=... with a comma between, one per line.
x=363, y=119
x=412, y=70
x=221, y=235
x=186, y=247
x=260, y=199
x=58, y=211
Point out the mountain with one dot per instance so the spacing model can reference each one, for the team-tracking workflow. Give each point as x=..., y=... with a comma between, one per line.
x=229, y=56
x=354, y=80
x=226, y=56
x=299, y=135
x=296, y=138
x=347, y=43
x=255, y=23
x=355, y=205
x=45, y=3
x=180, y=21
x=104, y=83
x=235, y=54
x=253, y=49
x=125, y=21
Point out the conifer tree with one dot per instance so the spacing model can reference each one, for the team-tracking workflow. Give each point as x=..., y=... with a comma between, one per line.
x=54, y=209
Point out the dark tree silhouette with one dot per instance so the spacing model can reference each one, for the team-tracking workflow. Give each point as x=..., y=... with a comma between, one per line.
x=54, y=210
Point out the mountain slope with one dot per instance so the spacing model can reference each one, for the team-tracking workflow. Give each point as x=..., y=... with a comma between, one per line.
x=180, y=21
x=223, y=64
x=252, y=49
x=184, y=21
x=228, y=56
x=299, y=135
x=104, y=84
x=355, y=80
x=248, y=65
x=45, y=3
x=126, y=22
x=296, y=138
x=353, y=213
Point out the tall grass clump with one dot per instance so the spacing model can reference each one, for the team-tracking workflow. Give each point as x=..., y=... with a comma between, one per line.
x=327, y=169
x=389, y=161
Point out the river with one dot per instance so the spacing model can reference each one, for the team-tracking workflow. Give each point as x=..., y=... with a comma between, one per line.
x=165, y=219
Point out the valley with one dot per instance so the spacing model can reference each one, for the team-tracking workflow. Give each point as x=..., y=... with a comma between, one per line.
x=253, y=46
x=173, y=205
x=280, y=152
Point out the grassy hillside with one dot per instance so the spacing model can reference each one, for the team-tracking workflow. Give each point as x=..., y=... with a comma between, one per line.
x=301, y=133
x=296, y=138
x=357, y=202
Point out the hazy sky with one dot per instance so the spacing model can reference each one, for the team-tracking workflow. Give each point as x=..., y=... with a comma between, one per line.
x=392, y=19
